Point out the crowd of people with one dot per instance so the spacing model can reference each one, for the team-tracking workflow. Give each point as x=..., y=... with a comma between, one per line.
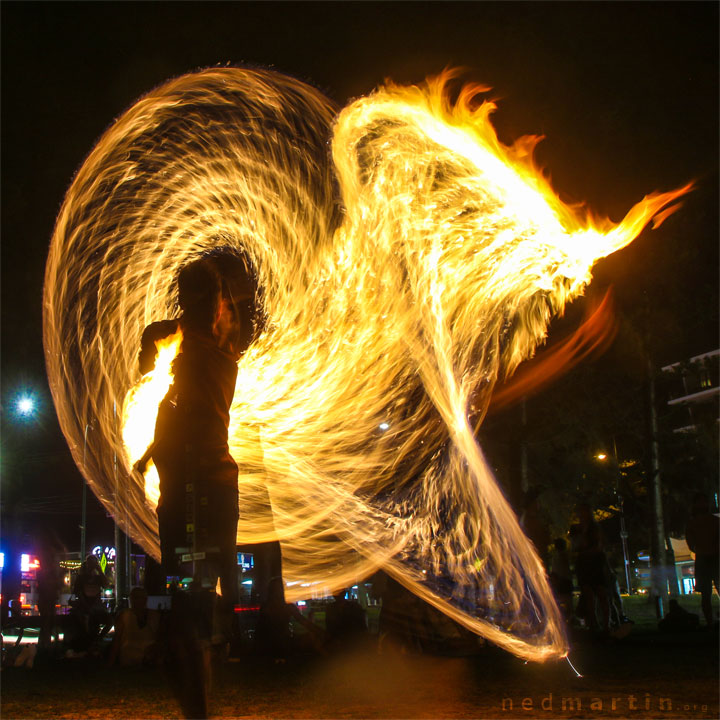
x=581, y=576
x=579, y=566
x=586, y=566
x=137, y=635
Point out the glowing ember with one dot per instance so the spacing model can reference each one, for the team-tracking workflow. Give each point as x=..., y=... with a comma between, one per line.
x=440, y=271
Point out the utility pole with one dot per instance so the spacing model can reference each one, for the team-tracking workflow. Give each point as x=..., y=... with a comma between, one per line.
x=83, y=520
x=120, y=547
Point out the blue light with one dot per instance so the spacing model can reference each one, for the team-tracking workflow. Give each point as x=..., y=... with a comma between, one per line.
x=25, y=406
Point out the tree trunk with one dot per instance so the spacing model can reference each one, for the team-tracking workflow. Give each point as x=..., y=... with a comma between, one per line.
x=658, y=567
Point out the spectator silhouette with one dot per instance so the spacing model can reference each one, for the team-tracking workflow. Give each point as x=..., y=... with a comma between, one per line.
x=678, y=619
x=345, y=623
x=136, y=633
x=89, y=608
x=273, y=635
x=401, y=626
x=561, y=576
x=49, y=584
x=533, y=524
x=591, y=569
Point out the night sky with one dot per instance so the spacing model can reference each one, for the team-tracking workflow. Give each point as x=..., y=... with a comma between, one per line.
x=626, y=95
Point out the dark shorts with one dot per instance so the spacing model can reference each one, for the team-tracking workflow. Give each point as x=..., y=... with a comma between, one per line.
x=207, y=494
x=707, y=569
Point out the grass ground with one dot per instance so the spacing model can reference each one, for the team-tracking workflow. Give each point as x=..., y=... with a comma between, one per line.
x=649, y=674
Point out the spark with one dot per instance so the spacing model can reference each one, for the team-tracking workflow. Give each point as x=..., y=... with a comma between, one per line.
x=575, y=670
x=400, y=275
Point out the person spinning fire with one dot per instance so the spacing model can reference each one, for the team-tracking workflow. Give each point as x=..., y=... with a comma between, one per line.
x=198, y=476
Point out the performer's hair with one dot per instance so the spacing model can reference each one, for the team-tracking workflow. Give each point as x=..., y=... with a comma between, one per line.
x=240, y=289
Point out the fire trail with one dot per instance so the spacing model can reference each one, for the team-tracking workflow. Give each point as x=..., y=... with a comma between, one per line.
x=407, y=260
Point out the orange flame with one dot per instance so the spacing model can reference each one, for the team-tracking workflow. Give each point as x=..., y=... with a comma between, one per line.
x=141, y=407
x=595, y=335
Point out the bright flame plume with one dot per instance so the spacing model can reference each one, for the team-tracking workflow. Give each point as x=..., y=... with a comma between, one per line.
x=436, y=267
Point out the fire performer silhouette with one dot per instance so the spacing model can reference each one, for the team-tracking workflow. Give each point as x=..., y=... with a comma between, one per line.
x=198, y=506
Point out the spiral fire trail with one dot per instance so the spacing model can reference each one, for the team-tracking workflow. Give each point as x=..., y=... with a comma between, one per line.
x=400, y=276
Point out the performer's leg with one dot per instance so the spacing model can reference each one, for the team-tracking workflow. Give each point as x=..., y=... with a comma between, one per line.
x=154, y=580
x=170, y=513
x=268, y=565
x=227, y=520
x=170, y=527
x=268, y=555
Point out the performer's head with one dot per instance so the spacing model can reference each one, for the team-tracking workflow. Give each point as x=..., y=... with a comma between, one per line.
x=218, y=294
x=199, y=295
x=239, y=319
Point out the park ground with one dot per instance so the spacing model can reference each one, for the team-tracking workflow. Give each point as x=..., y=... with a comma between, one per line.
x=648, y=674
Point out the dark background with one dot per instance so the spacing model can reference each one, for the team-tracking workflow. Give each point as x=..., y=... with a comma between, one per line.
x=626, y=95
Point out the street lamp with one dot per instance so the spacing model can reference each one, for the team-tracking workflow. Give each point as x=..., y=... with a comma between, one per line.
x=25, y=406
x=623, y=530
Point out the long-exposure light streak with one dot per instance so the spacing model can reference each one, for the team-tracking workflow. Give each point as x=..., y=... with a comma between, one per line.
x=401, y=275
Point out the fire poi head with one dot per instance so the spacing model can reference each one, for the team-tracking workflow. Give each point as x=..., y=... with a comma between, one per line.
x=398, y=276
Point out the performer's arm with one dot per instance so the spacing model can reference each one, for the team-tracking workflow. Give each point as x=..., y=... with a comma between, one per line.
x=148, y=350
x=141, y=464
x=146, y=361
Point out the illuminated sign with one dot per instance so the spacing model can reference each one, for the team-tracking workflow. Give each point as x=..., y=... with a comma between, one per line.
x=98, y=551
x=104, y=554
x=245, y=561
x=28, y=563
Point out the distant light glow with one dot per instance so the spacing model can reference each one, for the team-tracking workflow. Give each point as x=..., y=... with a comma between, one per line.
x=384, y=426
x=601, y=456
x=25, y=406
